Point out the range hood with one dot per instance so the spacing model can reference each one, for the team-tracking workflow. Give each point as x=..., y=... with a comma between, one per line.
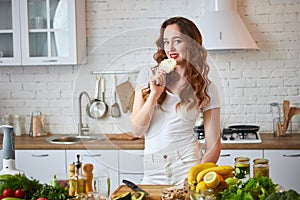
x=222, y=27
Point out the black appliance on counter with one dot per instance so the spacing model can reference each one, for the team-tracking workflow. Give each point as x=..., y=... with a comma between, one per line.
x=241, y=132
x=199, y=131
x=233, y=134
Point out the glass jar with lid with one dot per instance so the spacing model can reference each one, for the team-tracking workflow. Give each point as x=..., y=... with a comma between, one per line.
x=242, y=168
x=261, y=167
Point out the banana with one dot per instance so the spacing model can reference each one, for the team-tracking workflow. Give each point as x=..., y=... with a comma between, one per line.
x=201, y=186
x=192, y=174
x=222, y=170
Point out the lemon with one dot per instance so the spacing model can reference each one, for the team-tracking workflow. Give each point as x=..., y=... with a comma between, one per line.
x=211, y=179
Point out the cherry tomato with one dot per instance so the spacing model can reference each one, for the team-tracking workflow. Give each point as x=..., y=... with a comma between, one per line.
x=42, y=198
x=7, y=193
x=1, y=197
x=19, y=193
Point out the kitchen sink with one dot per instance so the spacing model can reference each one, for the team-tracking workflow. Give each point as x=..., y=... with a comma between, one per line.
x=73, y=139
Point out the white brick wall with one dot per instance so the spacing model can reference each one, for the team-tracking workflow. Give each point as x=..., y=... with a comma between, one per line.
x=249, y=80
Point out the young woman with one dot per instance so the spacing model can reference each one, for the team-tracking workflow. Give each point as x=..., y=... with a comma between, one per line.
x=166, y=106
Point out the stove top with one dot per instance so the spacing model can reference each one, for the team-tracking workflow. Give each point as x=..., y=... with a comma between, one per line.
x=235, y=136
x=245, y=138
x=228, y=136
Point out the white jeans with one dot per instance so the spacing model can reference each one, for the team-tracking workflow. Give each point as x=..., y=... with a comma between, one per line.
x=170, y=168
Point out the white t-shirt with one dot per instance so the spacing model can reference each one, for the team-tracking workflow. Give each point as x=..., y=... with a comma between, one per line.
x=171, y=128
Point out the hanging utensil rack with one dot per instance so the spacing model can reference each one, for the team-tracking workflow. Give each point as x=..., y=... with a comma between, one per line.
x=115, y=72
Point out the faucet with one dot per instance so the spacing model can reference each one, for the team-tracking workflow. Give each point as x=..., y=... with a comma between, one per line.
x=81, y=128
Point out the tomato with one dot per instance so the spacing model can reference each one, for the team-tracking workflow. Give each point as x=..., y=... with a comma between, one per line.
x=19, y=193
x=1, y=197
x=42, y=198
x=7, y=193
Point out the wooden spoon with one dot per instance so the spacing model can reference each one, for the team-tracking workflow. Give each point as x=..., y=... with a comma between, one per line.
x=293, y=111
x=286, y=108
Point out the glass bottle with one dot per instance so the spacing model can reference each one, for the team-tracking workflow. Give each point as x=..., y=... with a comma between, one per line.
x=17, y=125
x=78, y=182
x=242, y=168
x=261, y=167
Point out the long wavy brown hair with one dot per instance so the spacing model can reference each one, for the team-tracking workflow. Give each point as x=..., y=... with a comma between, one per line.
x=196, y=66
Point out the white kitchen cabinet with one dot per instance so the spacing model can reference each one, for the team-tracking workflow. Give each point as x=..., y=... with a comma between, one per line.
x=131, y=165
x=41, y=164
x=284, y=167
x=103, y=161
x=45, y=32
x=227, y=157
x=10, y=51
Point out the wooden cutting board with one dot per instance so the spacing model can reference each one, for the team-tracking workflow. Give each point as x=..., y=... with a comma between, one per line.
x=153, y=190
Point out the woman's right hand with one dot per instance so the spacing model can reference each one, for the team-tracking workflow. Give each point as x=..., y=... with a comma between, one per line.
x=158, y=83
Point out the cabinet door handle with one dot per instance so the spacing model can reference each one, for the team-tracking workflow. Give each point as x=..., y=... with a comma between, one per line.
x=225, y=155
x=49, y=60
x=40, y=155
x=94, y=155
x=291, y=155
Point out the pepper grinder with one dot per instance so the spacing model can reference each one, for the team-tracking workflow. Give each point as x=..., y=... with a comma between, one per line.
x=88, y=177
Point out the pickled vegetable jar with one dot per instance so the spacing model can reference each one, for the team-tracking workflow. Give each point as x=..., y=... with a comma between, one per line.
x=242, y=168
x=261, y=167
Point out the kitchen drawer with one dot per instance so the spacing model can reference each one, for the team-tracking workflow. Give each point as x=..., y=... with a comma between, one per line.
x=41, y=164
x=136, y=178
x=131, y=161
x=284, y=167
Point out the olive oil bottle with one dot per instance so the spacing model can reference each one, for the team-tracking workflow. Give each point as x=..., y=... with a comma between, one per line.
x=77, y=182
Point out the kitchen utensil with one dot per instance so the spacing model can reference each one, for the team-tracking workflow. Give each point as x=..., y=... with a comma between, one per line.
x=99, y=108
x=286, y=108
x=293, y=111
x=133, y=186
x=90, y=112
x=244, y=128
x=8, y=150
x=37, y=124
x=115, y=108
x=278, y=129
x=125, y=92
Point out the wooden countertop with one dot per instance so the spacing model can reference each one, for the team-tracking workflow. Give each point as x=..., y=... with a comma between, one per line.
x=112, y=143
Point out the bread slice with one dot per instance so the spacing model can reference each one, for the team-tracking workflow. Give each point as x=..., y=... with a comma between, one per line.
x=168, y=65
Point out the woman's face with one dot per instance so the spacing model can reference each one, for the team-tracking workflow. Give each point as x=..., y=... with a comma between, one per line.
x=174, y=43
